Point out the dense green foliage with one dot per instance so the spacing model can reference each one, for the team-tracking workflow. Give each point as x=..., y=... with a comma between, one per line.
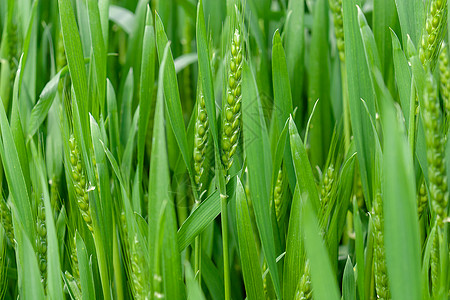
x=224, y=149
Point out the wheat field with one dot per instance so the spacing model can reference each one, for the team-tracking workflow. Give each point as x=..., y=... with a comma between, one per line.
x=224, y=149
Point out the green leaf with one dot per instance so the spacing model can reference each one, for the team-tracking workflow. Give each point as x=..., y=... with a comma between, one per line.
x=282, y=98
x=294, y=249
x=194, y=291
x=385, y=16
x=400, y=211
x=99, y=51
x=359, y=249
x=55, y=287
x=122, y=17
x=212, y=276
x=159, y=191
x=75, y=61
x=14, y=175
x=319, y=87
x=402, y=75
x=324, y=285
x=126, y=108
x=84, y=264
x=294, y=43
x=28, y=272
x=205, y=73
x=281, y=87
x=159, y=186
x=251, y=268
x=257, y=151
x=113, y=118
x=348, y=282
x=303, y=170
x=103, y=209
x=359, y=87
x=305, y=184
x=40, y=110
x=202, y=216
x=146, y=88
x=172, y=96
x=411, y=16
x=17, y=127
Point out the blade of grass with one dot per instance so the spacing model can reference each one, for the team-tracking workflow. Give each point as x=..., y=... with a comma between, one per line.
x=99, y=51
x=400, y=211
x=359, y=87
x=202, y=216
x=411, y=16
x=28, y=272
x=42, y=107
x=282, y=98
x=247, y=247
x=318, y=87
x=84, y=263
x=323, y=280
x=257, y=150
x=348, y=282
x=159, y=188
x=172, y=96
x=146, y=88
x=14, y=176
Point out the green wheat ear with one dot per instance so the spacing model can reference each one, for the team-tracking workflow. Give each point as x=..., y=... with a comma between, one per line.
x=138, y=271
x=231, y=114
x=422, y=199
x=444, y=77
x=13, y=41
x=433, y=32
x=6, y=220
x=434, y=263
x=41, y=240
x=435, y=151
x=327, y=185
x=278, y=194
x=304, y=291
x=75, y=276
x=381, y=279
x=201, y=143
x=337, y=10
x=79, y=181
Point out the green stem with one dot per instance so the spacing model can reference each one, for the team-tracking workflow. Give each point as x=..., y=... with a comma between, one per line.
x=347, y=132
x=117, y=268
x=412, y=118
x=104, y=277
x=226, y=270
x=221, y=179
x=197, y=253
